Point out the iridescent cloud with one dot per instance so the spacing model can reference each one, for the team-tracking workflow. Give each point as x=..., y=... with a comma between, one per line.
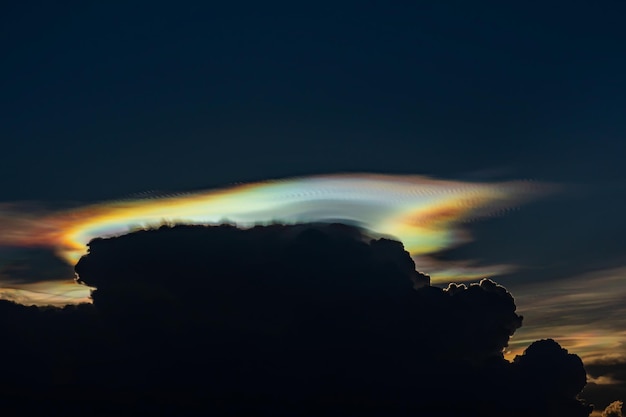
x=585, y=314
x=426, y=214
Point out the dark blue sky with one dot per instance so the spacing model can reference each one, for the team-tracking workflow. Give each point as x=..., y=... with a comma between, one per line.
x=100, y=100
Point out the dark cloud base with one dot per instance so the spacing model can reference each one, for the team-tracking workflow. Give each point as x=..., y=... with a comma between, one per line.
x=276, y=321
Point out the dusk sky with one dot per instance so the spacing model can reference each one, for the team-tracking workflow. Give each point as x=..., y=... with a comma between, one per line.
x=500, y=126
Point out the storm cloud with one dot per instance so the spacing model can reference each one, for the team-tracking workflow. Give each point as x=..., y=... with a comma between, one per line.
x=305, y=319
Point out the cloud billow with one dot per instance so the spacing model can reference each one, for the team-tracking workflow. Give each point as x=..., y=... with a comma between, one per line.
x=285, y=320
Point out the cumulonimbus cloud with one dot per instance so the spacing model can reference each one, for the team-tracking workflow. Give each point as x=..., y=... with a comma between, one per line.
x=307, y=319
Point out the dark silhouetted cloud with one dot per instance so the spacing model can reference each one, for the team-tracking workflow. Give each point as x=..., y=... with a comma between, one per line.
x=310, y=319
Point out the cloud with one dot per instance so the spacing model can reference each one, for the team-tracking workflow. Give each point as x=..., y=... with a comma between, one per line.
x=426, y=214
x=584, y=313
x=613, y=410
x=607, y=382
x=552, y=369
x=38, y=276
x=30, y=265
x=311, y=318
x=603, y=380
x=47, y=293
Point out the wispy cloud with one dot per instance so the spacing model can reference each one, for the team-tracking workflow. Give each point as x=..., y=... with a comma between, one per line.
x=586, y=314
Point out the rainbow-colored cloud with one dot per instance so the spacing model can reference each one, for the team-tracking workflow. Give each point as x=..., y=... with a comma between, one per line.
x=426, y=214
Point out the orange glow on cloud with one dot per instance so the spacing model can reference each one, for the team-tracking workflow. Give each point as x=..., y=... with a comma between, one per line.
x=585, y=314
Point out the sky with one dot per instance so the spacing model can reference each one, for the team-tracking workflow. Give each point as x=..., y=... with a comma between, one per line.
x=142, y=103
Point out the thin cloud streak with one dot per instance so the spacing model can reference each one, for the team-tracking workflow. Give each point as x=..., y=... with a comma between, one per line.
x=586, y=314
